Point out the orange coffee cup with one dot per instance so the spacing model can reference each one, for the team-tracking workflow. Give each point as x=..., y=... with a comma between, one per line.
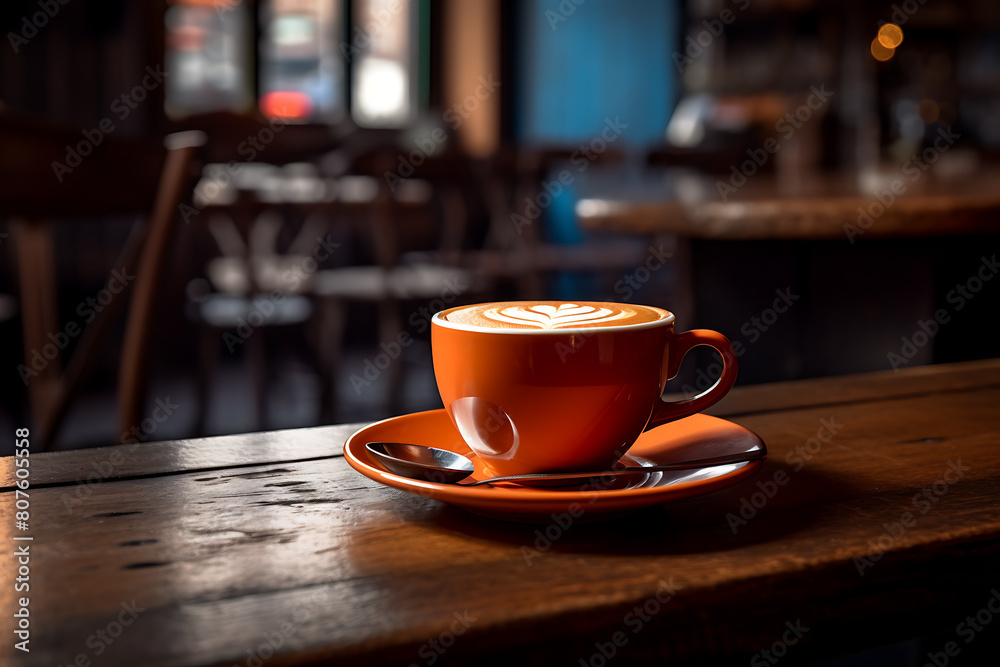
x=547, y=386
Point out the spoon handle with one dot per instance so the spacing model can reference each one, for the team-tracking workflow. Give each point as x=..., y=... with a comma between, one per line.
x=728, y=459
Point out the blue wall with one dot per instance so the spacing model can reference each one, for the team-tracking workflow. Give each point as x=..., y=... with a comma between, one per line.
x=606, y=58
x=581, y=63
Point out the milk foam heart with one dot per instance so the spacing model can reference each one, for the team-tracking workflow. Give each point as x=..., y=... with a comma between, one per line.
x=552, y=315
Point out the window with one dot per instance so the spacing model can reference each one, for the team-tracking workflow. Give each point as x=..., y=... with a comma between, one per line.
x=207, y=57
x=383, y=48
x=304, y=59
x=301, y=70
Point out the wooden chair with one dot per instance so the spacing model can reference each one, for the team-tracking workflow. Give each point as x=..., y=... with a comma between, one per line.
x=52, y=172
x=244, y=280
x=416, y=229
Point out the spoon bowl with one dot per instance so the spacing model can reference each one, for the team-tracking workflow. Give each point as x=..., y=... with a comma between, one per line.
x=419, y=462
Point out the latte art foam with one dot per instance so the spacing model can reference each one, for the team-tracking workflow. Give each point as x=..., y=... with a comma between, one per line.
x=551, y=315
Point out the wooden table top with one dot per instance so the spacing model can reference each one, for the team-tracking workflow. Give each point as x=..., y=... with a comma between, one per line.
x=812, y=207
x=201, y=552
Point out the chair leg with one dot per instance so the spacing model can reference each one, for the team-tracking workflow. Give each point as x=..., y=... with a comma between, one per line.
x=390, y=326
x=257, y=359
x=39, y=318
x=314, y=358
x=208, y=358
x=329, y=350
x=152, y=272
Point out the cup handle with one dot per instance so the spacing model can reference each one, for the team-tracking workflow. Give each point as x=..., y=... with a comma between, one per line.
x=679, y=347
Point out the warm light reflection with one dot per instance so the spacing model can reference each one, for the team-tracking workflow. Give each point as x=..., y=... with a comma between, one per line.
x=890, y=35
x=286, y=104
x=880, y=52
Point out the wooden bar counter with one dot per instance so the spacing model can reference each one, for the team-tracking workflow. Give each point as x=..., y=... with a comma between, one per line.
x=875, y=519
x=810, y=207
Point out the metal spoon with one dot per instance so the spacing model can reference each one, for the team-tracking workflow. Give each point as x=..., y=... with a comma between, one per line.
x=439, y=465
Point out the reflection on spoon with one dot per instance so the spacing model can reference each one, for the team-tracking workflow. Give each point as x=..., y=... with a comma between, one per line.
x=439, y=465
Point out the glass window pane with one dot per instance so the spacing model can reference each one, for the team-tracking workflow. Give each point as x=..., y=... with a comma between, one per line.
x=301, y=68
x=207, y=57
x=383, y=47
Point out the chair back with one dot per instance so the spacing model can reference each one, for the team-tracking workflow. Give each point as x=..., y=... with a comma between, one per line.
x=50, y=172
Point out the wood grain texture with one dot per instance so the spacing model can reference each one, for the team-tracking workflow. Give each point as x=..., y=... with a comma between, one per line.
x=339, y=570
x=776, y=396
x=144, y=459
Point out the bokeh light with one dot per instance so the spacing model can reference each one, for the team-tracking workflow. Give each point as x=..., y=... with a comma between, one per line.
x=880, y=51
x=286, y=104
x=890, y=35
x=929, y=110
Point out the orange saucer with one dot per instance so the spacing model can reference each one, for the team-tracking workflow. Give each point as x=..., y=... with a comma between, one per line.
x=697, y=436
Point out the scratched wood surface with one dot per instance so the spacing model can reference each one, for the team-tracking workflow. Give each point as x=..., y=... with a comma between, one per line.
x=214, y=560
x=165, y=458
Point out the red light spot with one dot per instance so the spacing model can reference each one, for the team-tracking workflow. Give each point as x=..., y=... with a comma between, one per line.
x=286, y=104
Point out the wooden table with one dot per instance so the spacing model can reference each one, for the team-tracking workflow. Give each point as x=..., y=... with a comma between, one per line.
x=206, y=550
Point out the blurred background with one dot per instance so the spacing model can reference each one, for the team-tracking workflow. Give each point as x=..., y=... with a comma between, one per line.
x=815, y=179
